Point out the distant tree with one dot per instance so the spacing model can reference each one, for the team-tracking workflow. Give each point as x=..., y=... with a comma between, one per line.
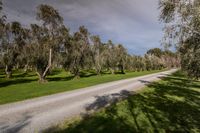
x=121, y=56
x=110, y=56
x=155, y=51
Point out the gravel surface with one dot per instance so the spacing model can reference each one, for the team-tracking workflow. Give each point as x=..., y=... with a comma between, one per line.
x=38, y=114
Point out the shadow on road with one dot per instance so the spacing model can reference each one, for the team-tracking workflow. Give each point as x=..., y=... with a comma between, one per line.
x=17, y=127
x=106, y=100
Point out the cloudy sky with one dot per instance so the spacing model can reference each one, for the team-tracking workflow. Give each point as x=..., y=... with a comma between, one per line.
x=133, y=23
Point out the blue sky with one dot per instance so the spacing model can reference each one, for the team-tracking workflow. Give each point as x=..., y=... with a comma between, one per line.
x=133, y=23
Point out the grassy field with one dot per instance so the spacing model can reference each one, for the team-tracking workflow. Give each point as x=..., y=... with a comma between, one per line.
x=25, y=85
x=171, y=105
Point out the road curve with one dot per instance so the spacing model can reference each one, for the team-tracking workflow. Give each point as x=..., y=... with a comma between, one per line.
x=38, y=114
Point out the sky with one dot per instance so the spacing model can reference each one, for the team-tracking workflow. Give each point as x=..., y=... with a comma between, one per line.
x=133, y=23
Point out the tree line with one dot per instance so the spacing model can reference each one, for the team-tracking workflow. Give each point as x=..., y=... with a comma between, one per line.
x=42, y=47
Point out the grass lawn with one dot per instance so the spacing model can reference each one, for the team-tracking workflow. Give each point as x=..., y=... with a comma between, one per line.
x=25, y=85
x=171, y=105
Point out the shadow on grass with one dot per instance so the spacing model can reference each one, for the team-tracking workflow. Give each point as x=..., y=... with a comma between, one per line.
x=60, y=78
x=172, y=105
x=9, y=82
x=20, y=77
x=70, y=77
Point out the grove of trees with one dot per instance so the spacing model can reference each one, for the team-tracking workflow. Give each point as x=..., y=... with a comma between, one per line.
x=42, y=47
x=182, y=28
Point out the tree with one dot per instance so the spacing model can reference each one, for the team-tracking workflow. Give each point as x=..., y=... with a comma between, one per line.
x=155, y=51
x=80, y=50
x=2, y=29
x=121, y=56
x=46, y=36
x=110, y=56
x=183, y=28
x=97, y=50
x=12, y=45
x=66, y=48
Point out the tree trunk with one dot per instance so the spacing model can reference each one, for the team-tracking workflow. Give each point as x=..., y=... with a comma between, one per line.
x=122, y=69
x=112, y=71
x=8, y=72
x=41, y=78
x=48, y=67
x=76, y=74
x=42, y=75
x=26, y=68
x=98, y=70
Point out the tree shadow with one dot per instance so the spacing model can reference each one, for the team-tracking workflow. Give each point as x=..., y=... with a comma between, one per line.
x=107, y=100
x=22, y=75
x=55, y=72
x=168, y=106
x=84, y=74
x=9, y=82
x=17, y=127
x=60, y=78
x=145, y=82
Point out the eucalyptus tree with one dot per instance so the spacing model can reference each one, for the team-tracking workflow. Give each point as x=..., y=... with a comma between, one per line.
x=12, y=45
x=182, y=20
x=112, y=57
x=97, y=54
x=155, y=51
x=26, y=51
x=140, y=63
x=80, y=50
x=109, y=55
x=166, y=58
x=2, y=31
x=135, y=63
x=46, y=35
x=8, y=57
x=19, y=41
x=121, y=57
x=66, y=47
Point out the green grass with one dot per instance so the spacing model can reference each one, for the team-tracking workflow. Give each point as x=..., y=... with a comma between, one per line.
x=25, y=85
x=171, y=105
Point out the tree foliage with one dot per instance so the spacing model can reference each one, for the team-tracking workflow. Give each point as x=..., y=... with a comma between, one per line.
x=182, y=28
x=50, y=44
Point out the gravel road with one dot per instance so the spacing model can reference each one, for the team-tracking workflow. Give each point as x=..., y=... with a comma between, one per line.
x=38, y=114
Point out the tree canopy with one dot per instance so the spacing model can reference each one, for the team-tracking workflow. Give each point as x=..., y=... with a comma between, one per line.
x=182, y=29
x=50, y=44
